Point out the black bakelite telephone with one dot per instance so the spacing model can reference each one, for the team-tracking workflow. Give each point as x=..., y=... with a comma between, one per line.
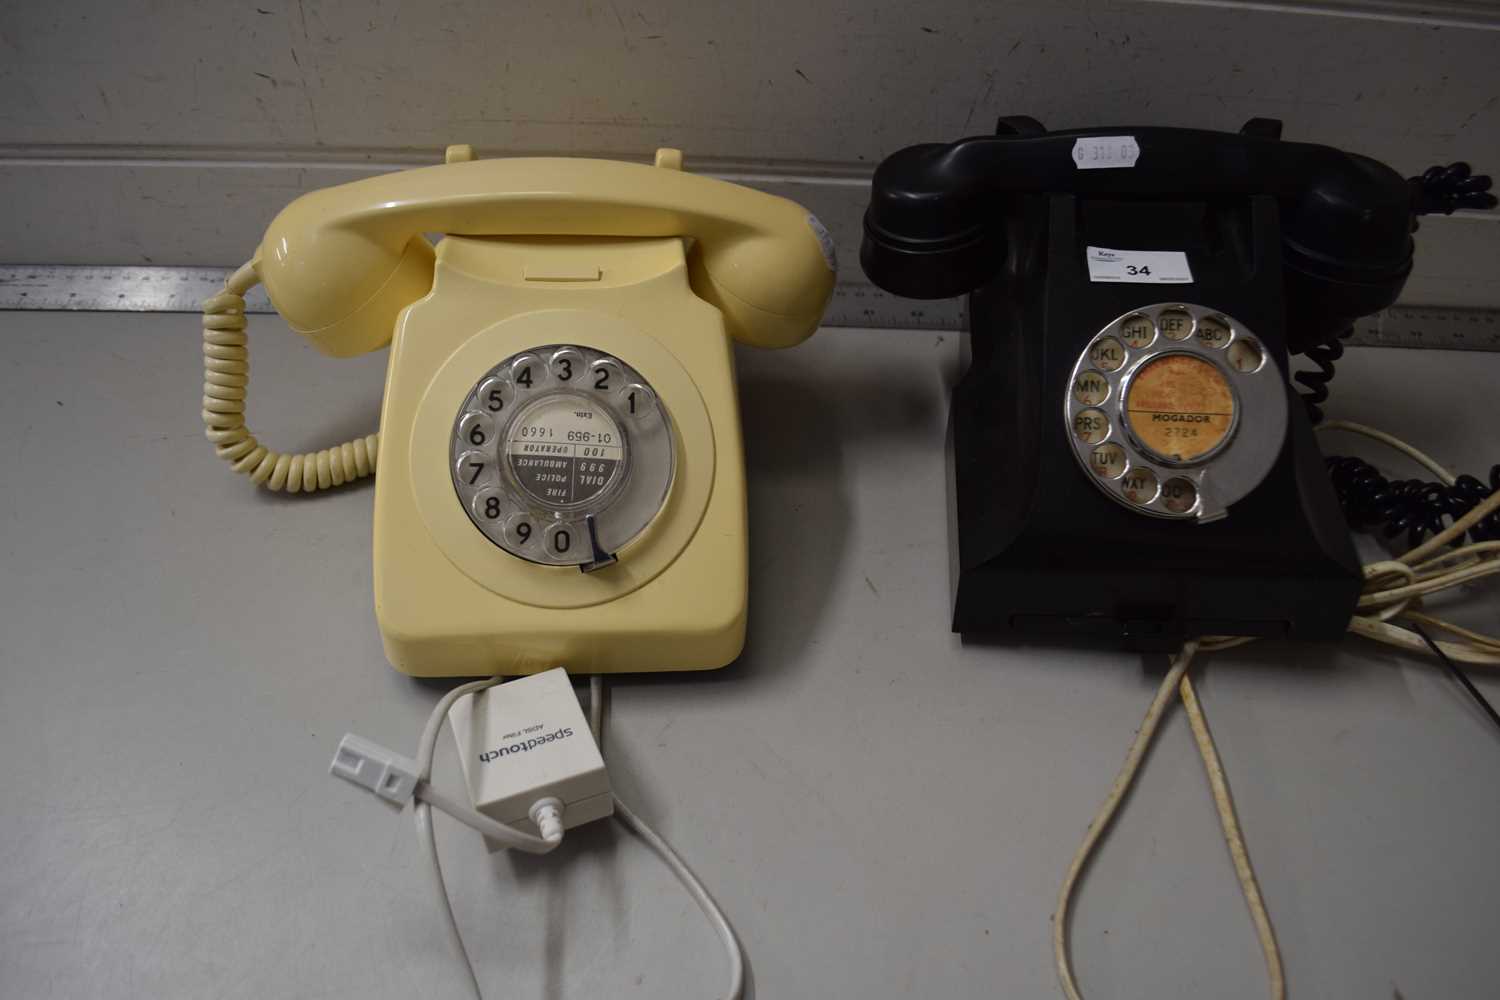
x=1130, y=463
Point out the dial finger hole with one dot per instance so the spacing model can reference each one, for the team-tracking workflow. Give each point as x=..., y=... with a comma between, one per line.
x=606, y=375
x=1091, y=426
x=1179, y=495
x=1139, y=486
x=1090, y=388
x=1176, y=324
x=566, y=365
x=1107, y=461
x=639, y=401
x=495, y=394
x=527, y=372
x=1213, y=332
x=521, y=531
x=476, y=429
x=1138, y=331
x=563, y=539
x=489, y=506
x=1245, y=355
x=1106, y=353
x=475, y=469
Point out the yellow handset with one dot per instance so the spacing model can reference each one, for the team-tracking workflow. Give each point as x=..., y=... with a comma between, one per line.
x=341, y=262
x=561, y=469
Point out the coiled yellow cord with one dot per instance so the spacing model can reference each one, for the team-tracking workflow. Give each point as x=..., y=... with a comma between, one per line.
x=226, y=373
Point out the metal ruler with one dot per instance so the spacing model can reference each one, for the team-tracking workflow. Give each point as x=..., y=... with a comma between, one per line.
x=183, y=289
x=1438, y=327
x=116, y=289
x=867, y=306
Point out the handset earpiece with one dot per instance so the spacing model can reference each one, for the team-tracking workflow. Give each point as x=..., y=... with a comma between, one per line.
x=1346, y=239
x=771, y=284
x=1346, y=246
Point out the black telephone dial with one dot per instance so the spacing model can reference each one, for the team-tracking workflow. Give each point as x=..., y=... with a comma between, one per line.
x=1129, y=461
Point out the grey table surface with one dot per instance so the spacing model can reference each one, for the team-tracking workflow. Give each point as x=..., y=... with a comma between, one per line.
x=882, y=810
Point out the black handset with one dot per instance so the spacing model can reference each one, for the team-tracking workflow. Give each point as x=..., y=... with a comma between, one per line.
x=937, y=216
x=1130, y=464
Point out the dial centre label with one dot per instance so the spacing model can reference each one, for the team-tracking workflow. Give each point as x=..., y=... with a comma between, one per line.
x=1179, y=406
x=564, y=449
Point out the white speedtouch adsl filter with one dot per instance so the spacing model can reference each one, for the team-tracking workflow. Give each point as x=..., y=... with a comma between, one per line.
x=526, y=740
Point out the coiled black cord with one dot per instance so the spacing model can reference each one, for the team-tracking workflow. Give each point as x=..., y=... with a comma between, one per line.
x=1371, y=502
x=1445, y=190
x=1414, y=506
x=1323, y=355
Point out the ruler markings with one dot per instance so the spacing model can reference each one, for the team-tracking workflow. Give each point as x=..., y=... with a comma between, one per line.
x=183, y=289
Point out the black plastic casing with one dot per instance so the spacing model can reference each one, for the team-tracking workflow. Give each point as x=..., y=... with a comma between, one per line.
x=1037, y=548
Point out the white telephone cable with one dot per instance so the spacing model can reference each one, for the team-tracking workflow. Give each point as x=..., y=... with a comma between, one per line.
x=695, y=888
x=1177, y=683
x=1391, y=588
x=226, y=374
x=547, y=813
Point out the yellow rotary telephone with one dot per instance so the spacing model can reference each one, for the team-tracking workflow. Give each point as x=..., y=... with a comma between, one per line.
x=561, y=469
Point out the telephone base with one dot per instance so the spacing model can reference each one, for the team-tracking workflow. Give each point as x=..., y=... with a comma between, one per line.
x=451, y=600
x=1054, y=559
x=1280, y=565
x=1038, y=548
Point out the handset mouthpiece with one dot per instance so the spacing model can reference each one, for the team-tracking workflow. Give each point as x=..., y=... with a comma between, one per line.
x=930, y=231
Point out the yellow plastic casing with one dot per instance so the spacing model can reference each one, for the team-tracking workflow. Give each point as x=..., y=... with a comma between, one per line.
x=448, y=601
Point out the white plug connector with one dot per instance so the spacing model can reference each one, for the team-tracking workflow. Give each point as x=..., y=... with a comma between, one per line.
x=396, y=780
x=371, y=766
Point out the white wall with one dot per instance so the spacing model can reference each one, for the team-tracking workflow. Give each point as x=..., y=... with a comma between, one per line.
x=138, y=132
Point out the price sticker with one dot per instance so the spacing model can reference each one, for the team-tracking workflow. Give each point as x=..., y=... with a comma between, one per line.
x=1105, y=152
